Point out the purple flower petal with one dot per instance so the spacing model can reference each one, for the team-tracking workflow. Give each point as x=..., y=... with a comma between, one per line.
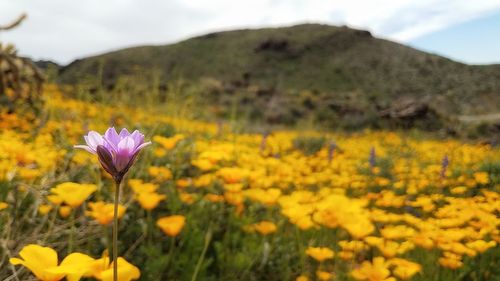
x=106, y=160
x=141, y=146
x=87, y=148
x=94, y=139
x=124, y=133
x=116, y=152
x=126, y=145
x=112, y=135
x=124, y=153
x=137, y=137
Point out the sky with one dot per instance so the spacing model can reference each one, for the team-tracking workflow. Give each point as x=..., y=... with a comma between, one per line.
x=63, y=30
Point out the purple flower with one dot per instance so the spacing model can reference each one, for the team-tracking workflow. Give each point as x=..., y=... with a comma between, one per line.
x=373, y=157
x=116, y=152
x=444, y=166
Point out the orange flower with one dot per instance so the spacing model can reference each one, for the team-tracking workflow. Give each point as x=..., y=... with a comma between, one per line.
x=171, y=225
x=214, y=198
x=376, y=271
x=265, y=227
x=73, y=194
x=103, y=212
x=324, y=275
x=38, y=259
x=65, y=211
x=44, y=209
x=3, y=205
x=149, y=201
x=404, y=269
x=302, y=278
x=320, y=253
x=183, y=183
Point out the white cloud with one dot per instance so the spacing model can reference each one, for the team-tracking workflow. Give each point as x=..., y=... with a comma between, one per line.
x=64, y=30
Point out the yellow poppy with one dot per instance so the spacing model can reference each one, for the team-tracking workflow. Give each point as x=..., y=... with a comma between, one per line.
x=73, y=194
x=38, y=260
x=265, y=227
x=171, y=225
x=103, y=212
x=149, y=201
x=320, y=253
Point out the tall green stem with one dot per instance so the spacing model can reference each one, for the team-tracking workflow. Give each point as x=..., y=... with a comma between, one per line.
x=208, y=238
x=115, y=231
x=71, y=232
x=149, y=228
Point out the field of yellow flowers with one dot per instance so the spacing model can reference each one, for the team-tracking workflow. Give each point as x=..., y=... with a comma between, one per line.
x=206, y=203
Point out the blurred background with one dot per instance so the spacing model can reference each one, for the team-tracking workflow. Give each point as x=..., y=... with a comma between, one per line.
x=431, y=65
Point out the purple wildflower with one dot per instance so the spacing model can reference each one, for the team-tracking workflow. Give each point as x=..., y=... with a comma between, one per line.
x=444, y=166
x=116, y=152
x=373, y=158
x=331, y=151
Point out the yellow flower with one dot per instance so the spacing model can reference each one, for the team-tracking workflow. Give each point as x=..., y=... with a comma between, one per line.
x=234, y=187
x=481, y=177
x=355, y=246
x=324, y=275
x=42, y=261
x=55, y=199
x=73, y=194
x=183, y=183
x=265, y=227
x=458, y=190
x=159, y=152
x=171, y=225
x=215, y=198
x=234, y=198
x=391, y=248
x=44, y=209
x=74, y=266
x=168, y=143
x=481, y=245
x=302, y=278
x=451, y=260
x=187, y=198
x=397, y=232
x=38, y=260
x=320, y=253
x=138, y=186
x=126, y=272
x=345, y=255
x=77, y=266
x=103, y=212
x=203, y=164
x=404, y=269
x=376, y=271
x=3, y=205
x=65, y=211
x=149, y=201
x=160, y=173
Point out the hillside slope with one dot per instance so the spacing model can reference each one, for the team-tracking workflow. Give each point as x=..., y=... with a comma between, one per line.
x=336, y=61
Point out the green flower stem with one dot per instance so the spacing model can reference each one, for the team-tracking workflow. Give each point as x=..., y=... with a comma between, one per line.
x=170, y=253
x=107, y=240
x=51, y=224
x=115, y=231
x=71, y=231
x=149, y=230
x=208, y=238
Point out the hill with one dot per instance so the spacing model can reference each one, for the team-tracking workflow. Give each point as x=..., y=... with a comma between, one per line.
x=345, y=72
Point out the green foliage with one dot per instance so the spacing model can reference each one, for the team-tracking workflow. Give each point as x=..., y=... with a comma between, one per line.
x=309, y=145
